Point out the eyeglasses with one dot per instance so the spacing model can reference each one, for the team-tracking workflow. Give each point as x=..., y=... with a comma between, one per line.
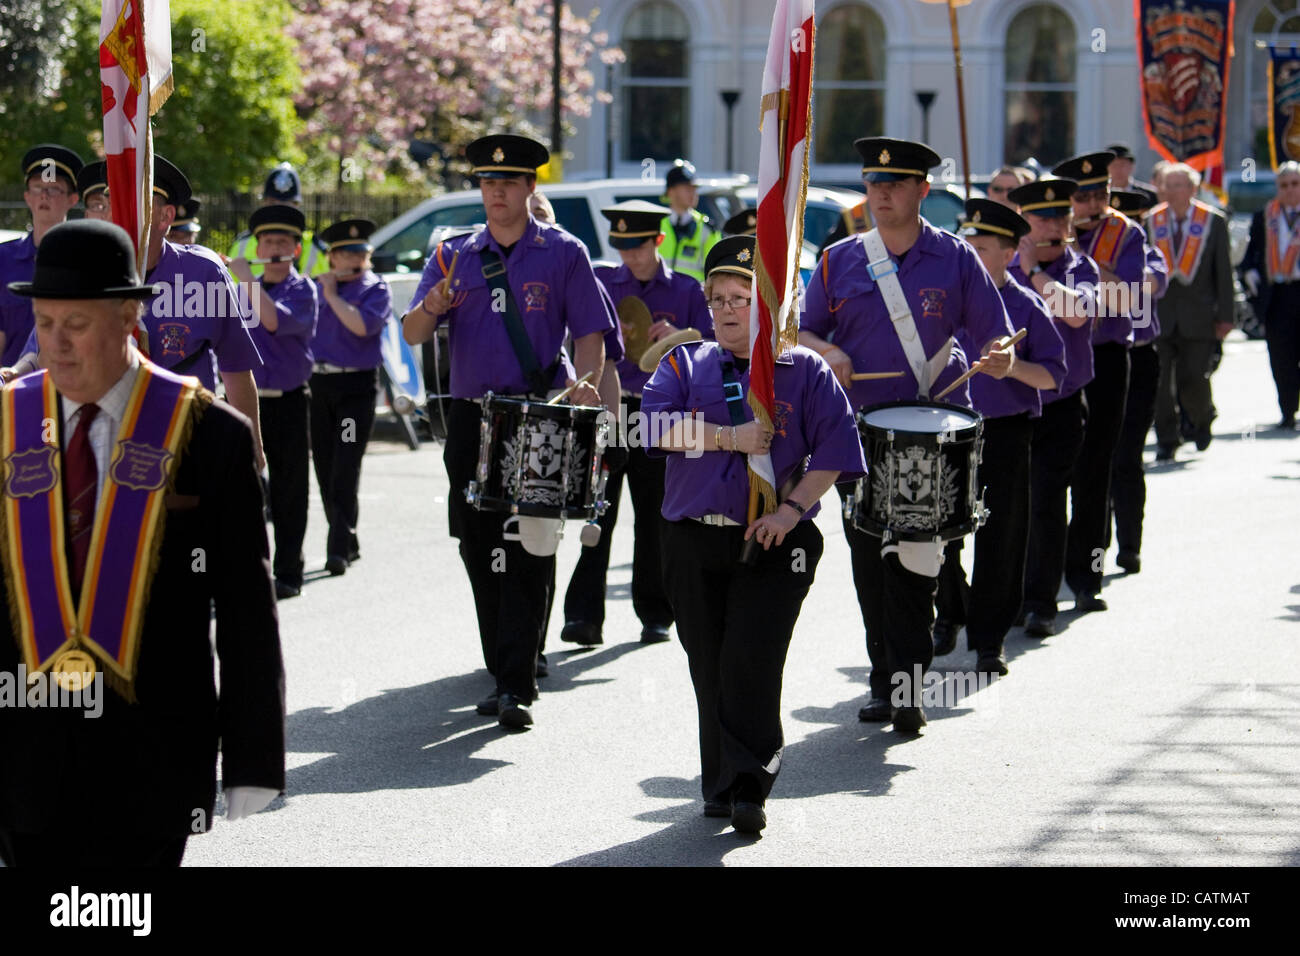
x=48, y=192
x=736, y=303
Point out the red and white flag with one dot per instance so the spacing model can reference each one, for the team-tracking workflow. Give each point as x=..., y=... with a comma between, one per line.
x=135, y=75
x=785, y=121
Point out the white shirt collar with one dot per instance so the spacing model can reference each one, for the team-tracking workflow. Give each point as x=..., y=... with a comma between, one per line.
x=113, y=402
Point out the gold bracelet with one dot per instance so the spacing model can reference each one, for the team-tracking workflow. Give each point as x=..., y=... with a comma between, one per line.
x=733, y=438
x=717, y=438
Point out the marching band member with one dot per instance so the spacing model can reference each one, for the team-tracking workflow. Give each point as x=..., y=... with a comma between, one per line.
x=287, y=322
x=283, y=186
x=185, y=228
x=670, y=302
x=1047, y=262
x=735, y=620
x=1117, y=245
x=354, y=307
x=1008, y=406
x=879, y=295
x=92, y=183
x=517, y=288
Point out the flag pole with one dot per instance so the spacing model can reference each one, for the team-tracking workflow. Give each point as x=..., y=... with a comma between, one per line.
x=961, y=95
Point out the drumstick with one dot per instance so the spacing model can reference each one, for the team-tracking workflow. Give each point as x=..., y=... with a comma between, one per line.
x=270, y=259
x=565, y=394
x=446, y=280
x=980, y=364
x=872, y=376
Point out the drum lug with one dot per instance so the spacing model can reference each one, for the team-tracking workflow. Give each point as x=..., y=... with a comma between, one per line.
x=471, y=493
x=981, y=514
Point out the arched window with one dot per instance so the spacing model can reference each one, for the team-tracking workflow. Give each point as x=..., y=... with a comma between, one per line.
x=849, y=85
x=656, y=88
x=1277, y=24
x=1039, y=85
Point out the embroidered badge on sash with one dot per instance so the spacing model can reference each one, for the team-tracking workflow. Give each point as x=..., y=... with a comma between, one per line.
x=30, y=473
x=139, y=466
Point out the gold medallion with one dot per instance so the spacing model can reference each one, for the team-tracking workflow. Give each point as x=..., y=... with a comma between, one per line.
x=498, y=155
x=73, y=670
x=884, y=157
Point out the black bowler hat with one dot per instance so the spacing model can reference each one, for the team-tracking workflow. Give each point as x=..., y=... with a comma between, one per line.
x=283, y=185
x=886, y=160
x=187, y=216
x=61, y=160
x=743, y=223
x=277, y=218
x=1044, y=197
x=734, y=255
x=681, y=171
x=1120, y=150
x=994, y=219
x=634, y=222
x=1090, y=171
x=84, y=259
x=348, y=235
x=504, y=156
x=1133, y=202
x=170, y=183
x=92, y=179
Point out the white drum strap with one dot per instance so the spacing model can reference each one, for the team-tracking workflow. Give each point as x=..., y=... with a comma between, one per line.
x=884, y=273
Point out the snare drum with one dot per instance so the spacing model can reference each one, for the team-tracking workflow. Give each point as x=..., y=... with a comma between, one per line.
x=540, y=460
x=922, y=472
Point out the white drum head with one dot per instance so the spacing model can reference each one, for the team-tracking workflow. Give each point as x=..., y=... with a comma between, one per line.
x=923, y=419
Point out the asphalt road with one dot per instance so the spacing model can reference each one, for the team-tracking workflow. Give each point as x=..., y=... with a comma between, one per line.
x=1160, y=732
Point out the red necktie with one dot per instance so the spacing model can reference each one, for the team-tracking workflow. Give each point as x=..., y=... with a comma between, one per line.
x=80, y=488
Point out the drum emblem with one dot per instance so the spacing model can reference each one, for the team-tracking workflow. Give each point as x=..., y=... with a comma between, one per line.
x=544, y=447
x=914, y=474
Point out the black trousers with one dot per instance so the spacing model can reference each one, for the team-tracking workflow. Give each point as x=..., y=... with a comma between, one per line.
x=1128, y=493
x=104, y=850
x=511, y=587
x=584, y=601
x=342, y=414
x=1282, y=333
x=735, y=623
x=1104, y=400
x=990, y=604
x=286, y=433
x=1184, y=383
x=1054, y=449
x=897, y=611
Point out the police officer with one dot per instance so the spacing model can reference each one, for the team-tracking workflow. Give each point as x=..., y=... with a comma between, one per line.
x=1118, y=246
x=935, y=287
x=185, y=230
x=669, y=302
x=1008, y=407
x=518, y=286
x=50, y=173
x=283, y=186
x=355, y=304
x=688, y=234
x=1047, y=262
x=283, y=339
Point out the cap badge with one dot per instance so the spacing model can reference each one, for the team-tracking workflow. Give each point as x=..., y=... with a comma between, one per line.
x=743, y=256
x=884, y=157
x=353, y=232
x=622, y=225
x=1050, y=194
x=1086, y=167
x=976, y=217
x=498, y=155
x=283, y=181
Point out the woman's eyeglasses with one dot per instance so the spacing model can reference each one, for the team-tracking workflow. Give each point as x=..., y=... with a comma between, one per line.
x=736, y=303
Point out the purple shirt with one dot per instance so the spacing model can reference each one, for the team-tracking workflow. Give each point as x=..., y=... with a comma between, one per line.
x=998, y=397
x=614, y=350
x=813, y=422
x=1077, y=273
x=17, y=264
x=198, y=313
x=286, y=352
x=551, y=280
x=948, y=290
x=670, y=296
x=1148, y=331
x=1115, y=325
x=336, y=343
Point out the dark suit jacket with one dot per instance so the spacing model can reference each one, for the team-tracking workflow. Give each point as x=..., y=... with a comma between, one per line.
x=1256, y=258
x=1190, y=311
x=150, y=767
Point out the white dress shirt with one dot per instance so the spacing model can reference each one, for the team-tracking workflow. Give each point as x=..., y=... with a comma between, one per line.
x=103, y=430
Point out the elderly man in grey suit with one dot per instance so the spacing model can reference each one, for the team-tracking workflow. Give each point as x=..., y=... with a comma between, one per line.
x=1196, y=311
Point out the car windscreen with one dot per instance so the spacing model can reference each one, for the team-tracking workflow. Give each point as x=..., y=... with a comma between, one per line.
x=411, y=245
x=1249, y=198
x=573, y=213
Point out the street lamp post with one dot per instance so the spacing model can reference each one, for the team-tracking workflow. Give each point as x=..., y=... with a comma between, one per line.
x=926, y=99
x=729, y=97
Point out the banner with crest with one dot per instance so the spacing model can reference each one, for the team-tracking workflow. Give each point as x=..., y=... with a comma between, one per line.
x=1283, y=100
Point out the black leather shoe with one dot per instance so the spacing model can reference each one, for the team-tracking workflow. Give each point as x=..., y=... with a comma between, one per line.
x=1286, y=425
x=580, y=632
x=908, y=720
x=336, y=564
x=284, y=590
x=945, y=636
x=1129, y=561
x=1166, y=452
x=717, y=808
x=513, y=712
x=876, y=711
x=992, y=663
x=654, y=634
x=748, y=817
x=1203, y=438
x=543, y=669
x=488, y=705
x=1039, y=625
x=1085, y=603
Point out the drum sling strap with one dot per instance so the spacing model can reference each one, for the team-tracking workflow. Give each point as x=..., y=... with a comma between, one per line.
x=539, y=379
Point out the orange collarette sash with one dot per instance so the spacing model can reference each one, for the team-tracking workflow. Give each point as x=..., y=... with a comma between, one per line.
x=1185, y=261
x=1280, y=269
x=127, y=532
x=1105, y=241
